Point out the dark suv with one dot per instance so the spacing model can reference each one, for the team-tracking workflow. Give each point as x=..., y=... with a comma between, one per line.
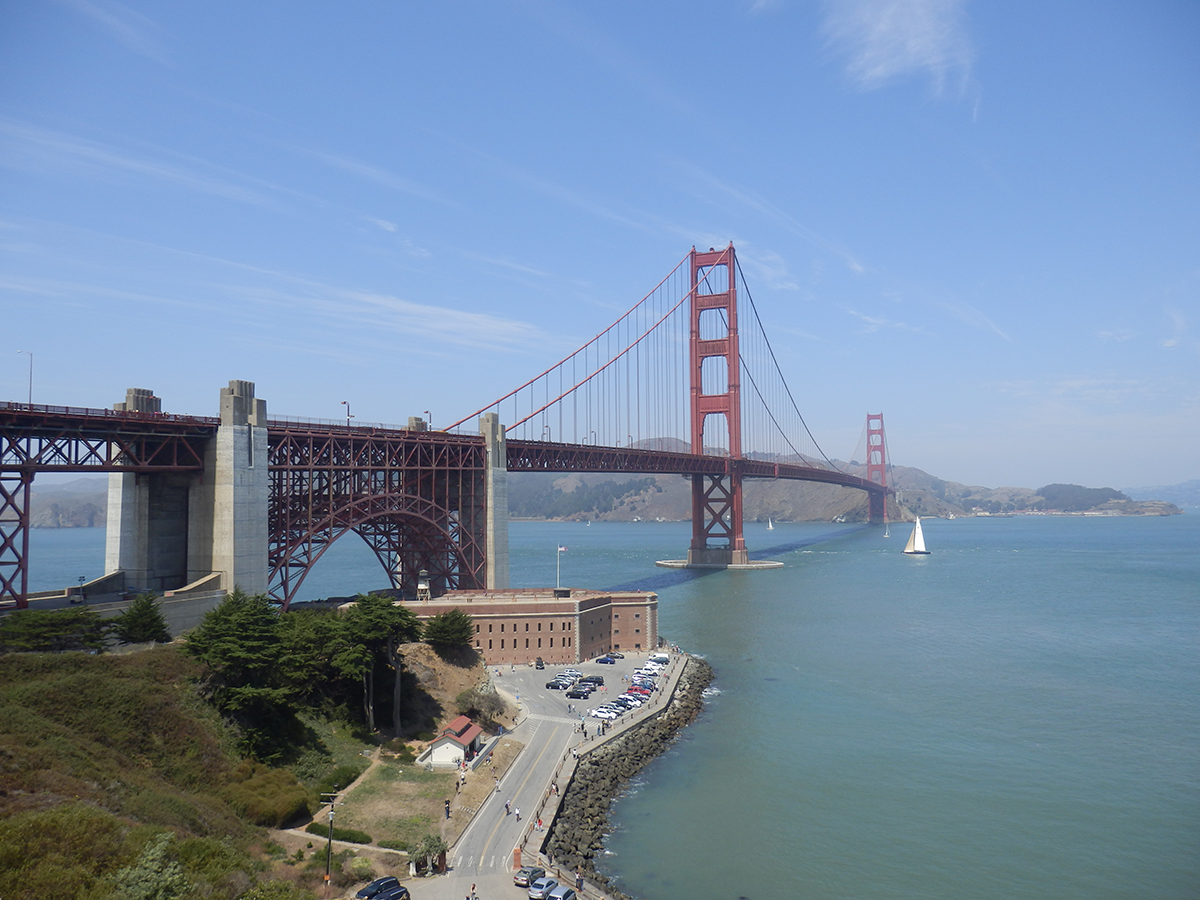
x=593, y=679
x=378, y=886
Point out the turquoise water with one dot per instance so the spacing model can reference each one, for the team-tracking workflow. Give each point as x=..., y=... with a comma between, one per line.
x=1016, y=715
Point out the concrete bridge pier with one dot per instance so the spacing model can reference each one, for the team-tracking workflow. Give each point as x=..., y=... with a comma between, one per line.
x=496, y=475
x=169, y=530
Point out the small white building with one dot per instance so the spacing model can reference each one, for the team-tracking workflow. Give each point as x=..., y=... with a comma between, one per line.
x=460, y=740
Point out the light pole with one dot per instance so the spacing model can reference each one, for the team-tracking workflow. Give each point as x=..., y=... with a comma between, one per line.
x=329, y=846
x=30, y=352
x=428, y=420
x=346, y=403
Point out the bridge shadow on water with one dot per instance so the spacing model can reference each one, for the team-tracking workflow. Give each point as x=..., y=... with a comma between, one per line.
x=668, y=578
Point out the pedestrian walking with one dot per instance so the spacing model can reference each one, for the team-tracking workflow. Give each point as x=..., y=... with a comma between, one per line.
x=578, y=880
x=518, y=814
x=447, y=809
x=472, y=892
x=539, y=824
x=507, y=807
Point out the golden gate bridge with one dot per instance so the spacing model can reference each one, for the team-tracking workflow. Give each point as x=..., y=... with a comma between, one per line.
x=686, y=382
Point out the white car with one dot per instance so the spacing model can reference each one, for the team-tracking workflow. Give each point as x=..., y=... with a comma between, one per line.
x=603, y=712
x=570, y=673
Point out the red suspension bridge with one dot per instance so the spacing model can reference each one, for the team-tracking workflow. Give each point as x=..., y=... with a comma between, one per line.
x=686, y=382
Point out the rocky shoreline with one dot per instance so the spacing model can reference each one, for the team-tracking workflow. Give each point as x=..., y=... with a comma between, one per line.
x=576, y=837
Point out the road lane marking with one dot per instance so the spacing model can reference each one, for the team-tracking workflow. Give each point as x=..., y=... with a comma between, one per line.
x=499, y=822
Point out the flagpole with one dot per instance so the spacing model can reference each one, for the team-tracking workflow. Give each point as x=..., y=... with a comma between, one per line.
x=558, y=568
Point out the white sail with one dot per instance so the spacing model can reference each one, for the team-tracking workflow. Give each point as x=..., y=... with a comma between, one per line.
x=770, y=524
x=916, y=540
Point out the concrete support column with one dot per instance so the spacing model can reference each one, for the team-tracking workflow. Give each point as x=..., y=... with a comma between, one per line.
x=496, y=476
x=127, y=521
x=242, y=485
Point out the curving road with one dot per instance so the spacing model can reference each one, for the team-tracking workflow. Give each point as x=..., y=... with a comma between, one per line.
x=483, y=855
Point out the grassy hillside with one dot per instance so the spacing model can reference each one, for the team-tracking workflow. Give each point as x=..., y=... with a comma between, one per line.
x=112, y=772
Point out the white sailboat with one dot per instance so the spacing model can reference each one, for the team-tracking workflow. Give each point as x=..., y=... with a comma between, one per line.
x=770, y=524
x=916, y=541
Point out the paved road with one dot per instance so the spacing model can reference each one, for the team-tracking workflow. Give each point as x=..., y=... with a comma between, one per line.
x=483, y=855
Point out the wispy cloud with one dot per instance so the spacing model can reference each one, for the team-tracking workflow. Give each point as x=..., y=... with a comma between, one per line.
x=590, y=37
x=964, y=312
x=872, y=324
x=376, y=175
x=128, y=26
x=31, y=148
x=750, y=200
x=1179, y=329
x=768, y=268
x=508, y=264
x=887, y=39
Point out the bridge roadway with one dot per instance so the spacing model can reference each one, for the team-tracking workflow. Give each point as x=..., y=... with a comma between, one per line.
x=77, y=439
x=483, y=854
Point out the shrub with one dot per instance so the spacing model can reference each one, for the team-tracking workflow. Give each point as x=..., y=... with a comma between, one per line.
x=278, y=890
x=362, y=869
x=395, y=845
x=270, y=797
x=349, y=835
x=73, y=846
x=339, y=779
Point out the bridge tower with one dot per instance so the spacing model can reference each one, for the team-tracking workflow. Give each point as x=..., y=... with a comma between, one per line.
x=877, y=463
x=715, y=386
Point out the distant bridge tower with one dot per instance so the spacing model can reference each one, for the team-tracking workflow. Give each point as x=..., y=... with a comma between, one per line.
x=715, y=383
x=877, y=466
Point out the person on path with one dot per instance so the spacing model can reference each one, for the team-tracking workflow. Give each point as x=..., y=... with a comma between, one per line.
x=507, y=807
x=447, y=809
x=518, y=814
x=578, y=880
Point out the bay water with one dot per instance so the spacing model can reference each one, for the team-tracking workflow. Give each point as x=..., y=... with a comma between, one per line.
x=1016, y=715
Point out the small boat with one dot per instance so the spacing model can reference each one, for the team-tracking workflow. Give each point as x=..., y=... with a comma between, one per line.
x=770, y=524
x=916, y=541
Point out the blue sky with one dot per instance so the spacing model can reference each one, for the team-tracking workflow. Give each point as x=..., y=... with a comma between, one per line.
x=981, y=219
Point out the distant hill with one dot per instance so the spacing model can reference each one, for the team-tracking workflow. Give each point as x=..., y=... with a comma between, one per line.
x=1185, y=494
x=80, y=503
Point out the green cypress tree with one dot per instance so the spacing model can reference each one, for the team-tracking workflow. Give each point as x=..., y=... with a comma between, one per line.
x=141, y=622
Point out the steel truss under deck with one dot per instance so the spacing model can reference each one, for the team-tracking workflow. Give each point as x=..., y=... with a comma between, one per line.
x=417, y=498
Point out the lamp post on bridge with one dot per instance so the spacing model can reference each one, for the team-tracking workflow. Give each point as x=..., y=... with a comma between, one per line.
x=30, y=352
x=428, y=420
x=346, y=403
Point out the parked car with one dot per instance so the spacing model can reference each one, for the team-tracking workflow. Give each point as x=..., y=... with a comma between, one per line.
x=562, y=892
x=593, y=679
x=378, y=886
x=615, y=655
x=396, y=893
x=607, y=661
x=604, y=712
x=570, y=673
x=558, y=685
x=539, y=664
x=579, y=693
x=540, y=889
x=528, y=874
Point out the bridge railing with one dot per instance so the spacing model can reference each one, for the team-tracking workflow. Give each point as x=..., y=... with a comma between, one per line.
x=108, y=414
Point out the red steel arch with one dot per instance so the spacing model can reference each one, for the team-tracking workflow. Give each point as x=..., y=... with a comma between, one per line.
x=417, y=498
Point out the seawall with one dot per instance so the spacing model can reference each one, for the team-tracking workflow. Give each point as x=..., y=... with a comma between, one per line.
x=576, y=836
